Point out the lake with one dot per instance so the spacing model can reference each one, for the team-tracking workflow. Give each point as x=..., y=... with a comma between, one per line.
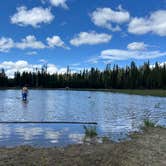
x=116, y=115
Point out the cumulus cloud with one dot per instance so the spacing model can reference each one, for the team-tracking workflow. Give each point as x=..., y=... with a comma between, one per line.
x=118, y=54
x=55, y=41
x=31, y=53
x=137, y=46
x=30, y=42
x=160, y=64
x=105, y=17
x=43, y=61
x=90, y=38
x=155, y=23
x=33, y=17
x=61, y=3
x=6, y=44
x=21, y=65
x=12, y=67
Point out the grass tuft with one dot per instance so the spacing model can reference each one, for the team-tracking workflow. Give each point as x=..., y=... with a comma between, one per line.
x=148, y=123
x=105, y=139
x=90, y=131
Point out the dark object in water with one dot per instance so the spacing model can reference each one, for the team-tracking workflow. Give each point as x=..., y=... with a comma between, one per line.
x=95, y=123
x=157, y=105
x=25, y=101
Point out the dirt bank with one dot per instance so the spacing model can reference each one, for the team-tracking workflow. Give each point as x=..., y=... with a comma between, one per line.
x=147, y=149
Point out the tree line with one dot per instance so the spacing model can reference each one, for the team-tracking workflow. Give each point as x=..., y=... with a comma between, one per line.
x=129, y=77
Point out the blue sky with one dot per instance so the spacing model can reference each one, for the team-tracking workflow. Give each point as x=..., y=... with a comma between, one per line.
x=80, y=33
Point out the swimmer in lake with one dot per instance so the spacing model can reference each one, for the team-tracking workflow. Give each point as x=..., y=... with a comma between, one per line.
x=24, y=93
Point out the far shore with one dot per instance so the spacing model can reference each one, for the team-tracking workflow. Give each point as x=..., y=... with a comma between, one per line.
x=145, y=92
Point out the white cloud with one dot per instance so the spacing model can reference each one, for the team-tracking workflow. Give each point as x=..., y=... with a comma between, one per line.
x=6, y=44
x=55, y=41
x=51, y=68
x=137, y=46
x=30, y=42
x=117, y=54
x=12, y=67
x=75, y=64
x=61, y=3
x=155, y=23
x=31, y=53
x=90, y=38
x=43, y=61
x=93, y=60
x=160, y=64
x=33, y=17
x=105, y=17
x=21, y=65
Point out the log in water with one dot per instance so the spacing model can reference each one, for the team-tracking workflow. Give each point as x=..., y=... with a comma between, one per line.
x=9, y=122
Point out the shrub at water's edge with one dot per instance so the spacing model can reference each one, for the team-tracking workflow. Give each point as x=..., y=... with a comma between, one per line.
x=148, y=123
x=90, y=131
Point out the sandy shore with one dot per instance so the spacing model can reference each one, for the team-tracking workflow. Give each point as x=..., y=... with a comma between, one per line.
x=148, y=148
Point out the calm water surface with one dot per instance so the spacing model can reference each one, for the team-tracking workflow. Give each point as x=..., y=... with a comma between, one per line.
x=116, y=114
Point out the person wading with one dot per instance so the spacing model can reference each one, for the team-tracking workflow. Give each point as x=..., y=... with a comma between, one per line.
x=24, y=93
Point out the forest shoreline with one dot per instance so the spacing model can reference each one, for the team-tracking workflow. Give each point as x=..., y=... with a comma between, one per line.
x=147, y=148
x=144, y=92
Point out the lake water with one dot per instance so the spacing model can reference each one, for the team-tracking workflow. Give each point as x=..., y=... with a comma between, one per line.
x=116, y=115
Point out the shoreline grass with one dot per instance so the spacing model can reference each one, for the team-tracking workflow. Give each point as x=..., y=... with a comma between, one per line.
x=148, y=123
x=90, y=131
x=143, y=92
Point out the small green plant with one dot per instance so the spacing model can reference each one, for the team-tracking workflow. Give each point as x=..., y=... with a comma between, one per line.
x=90, y=131
x=105, y=139
x=148, y=123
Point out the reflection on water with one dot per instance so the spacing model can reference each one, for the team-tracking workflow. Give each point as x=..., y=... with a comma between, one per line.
x=40, y=135
x=116, y=115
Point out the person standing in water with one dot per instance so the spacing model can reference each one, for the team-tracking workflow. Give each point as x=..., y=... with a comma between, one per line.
x=24, y=93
